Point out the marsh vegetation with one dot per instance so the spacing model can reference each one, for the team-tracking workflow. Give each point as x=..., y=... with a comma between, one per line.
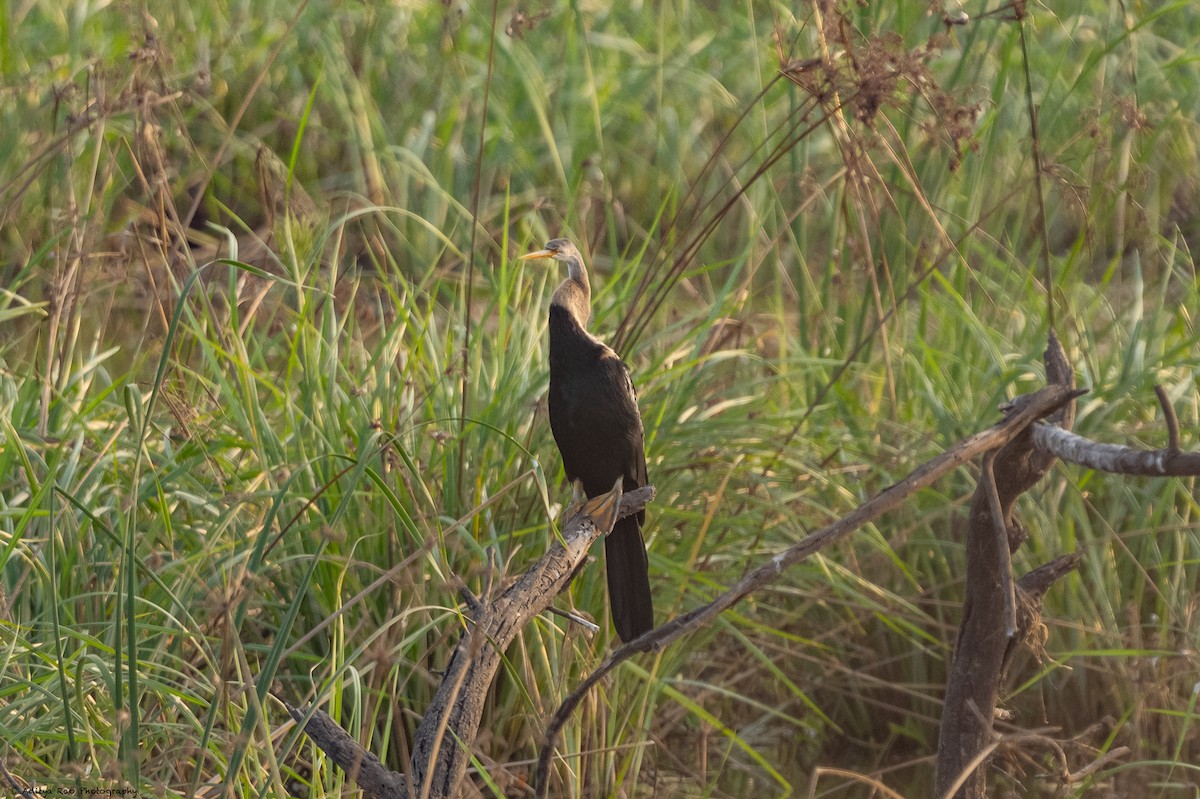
x=272, y=382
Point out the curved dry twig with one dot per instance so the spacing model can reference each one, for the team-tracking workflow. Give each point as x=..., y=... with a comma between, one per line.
x=1169, y=417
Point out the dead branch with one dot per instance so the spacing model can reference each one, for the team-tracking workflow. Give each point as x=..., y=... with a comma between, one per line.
x=443, y=741
x=1115, y=458
x=1169, y=418
x=367, y=772
x=1075, y=777
x=1020, y=414
x=1037, y=582
x=1170, y=461
x=991, y=628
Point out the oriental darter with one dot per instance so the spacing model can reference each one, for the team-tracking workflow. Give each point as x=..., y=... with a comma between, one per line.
x=595, y=420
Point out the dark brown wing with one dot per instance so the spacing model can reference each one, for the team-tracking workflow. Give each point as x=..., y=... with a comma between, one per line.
x=594, y=417
x=596, y=424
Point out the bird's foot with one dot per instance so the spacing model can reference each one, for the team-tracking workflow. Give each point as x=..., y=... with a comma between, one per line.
x=602, y=510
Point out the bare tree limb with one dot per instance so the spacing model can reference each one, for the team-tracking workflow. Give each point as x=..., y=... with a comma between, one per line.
x=1020, y=413
x=366, y=770
x=442, y=743
x=1115, y=458
x=1060, y=442
x=990, y=627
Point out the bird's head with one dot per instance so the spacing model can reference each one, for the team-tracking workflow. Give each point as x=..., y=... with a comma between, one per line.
x=558, y=249
x=575, y=293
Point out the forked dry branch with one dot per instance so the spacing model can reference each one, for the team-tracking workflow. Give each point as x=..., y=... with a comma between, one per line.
x=991, y=627
x=443, y=742
x=1000, y=613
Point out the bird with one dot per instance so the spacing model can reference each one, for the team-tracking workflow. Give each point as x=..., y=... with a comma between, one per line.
x=598, y=429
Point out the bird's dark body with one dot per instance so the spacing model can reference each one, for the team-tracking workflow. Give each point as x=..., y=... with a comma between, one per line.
x=596, y=424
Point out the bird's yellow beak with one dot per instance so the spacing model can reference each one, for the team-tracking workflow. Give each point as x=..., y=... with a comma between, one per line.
x=538, y=254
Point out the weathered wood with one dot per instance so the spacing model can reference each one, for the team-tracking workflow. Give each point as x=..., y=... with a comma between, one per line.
x=1114, y=458
x=362, y=767
x=443, y=741
x=990, y=624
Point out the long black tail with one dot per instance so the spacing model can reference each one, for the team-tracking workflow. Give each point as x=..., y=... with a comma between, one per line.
x=628, y=579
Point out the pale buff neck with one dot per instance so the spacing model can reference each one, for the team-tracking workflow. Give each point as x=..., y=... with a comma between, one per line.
x=575, y=293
